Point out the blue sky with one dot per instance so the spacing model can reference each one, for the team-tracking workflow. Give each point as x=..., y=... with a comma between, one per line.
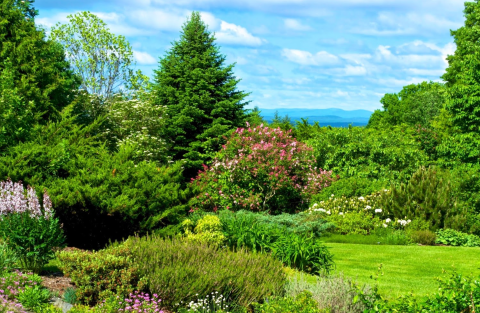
x=294, y=53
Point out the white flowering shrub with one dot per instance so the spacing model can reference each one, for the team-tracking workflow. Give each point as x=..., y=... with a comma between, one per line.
x=358, y=215
x=139, y=123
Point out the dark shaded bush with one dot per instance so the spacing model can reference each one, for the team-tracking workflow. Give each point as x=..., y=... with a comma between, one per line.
x=424, y=237
x=180, y=271
x=99, y=275
x=98, y=195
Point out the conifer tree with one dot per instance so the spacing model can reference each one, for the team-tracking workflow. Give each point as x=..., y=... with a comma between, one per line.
x=200, y=94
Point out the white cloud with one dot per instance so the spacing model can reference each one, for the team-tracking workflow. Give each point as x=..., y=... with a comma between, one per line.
x=293, y=24
x=144, y=58
x=159, y=19
x=307, y=58
x=355, y=70
x=236, y=35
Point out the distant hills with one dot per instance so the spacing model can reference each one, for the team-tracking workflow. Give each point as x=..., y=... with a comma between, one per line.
x=325, y=117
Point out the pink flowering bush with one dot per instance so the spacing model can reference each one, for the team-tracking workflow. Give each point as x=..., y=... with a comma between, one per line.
x=29, y=229
x=14, y=282
x=261, y=169
x=134, y=303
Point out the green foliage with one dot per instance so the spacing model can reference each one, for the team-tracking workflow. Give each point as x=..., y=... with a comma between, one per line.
x=32, y=239
x=200, y=94
x=453, y=237
x=430, y=195
x=304, y=253
x=461, y=75
x=12, y=283
x=40, y=72
x=456, y=294
x=302, y=303
x=213, y=303
x=34, y=297
x=97, y=195
x=382, y=154
x=301, y=223
x=300, y=250
x=100, y=58
x=350, y=187
x=16, y=116
x=8, y=258
x=361, y=223
x=413, y=105
x=70, y=295
x=181, y=271
x=208, y=230
x=99, y=275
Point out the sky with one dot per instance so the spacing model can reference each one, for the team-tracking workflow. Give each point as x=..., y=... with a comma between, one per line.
x=313, y=54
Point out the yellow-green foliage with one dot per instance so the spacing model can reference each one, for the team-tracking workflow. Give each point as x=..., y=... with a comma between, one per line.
x=102, y=274
x=208, y=231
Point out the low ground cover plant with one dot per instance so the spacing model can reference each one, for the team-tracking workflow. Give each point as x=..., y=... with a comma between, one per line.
x=178, y=271
x=453, y=237
x=301, y=303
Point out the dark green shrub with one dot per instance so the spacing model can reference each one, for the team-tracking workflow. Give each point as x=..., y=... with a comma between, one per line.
x=98, y=195
x=430, y=195
x=99, y=275
x=180, y=271
x=424, y=237
x=302, y=303
x=453, y=237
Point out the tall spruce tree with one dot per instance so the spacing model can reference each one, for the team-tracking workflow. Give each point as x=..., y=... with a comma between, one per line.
x=200, y=94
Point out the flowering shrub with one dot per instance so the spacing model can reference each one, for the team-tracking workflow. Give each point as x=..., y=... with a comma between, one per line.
x=135, y=302
x=260, y=169
x=10, y=306
x=29, y=230
x=14, y=282
x=357, y=215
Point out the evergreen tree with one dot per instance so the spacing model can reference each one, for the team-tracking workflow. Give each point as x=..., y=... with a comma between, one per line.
x=34, y=68
x=200, y=94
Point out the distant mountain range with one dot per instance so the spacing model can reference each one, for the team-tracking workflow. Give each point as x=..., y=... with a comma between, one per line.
x=325, y=117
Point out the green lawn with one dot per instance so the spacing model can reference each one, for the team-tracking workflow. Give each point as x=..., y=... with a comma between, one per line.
x=406, y=268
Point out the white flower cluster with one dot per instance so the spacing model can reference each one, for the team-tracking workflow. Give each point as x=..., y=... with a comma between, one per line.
x=403, y=223
x=212, y=303
x=315, y=208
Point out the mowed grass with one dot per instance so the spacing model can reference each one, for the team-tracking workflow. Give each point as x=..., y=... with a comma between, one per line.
x=406, y=268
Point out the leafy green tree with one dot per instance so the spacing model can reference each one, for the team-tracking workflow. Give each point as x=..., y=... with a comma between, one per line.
x=36, y=79
x=462, y=73
x=103, y=60
x=27, y=8
x=200, y=93
x=414, y=105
